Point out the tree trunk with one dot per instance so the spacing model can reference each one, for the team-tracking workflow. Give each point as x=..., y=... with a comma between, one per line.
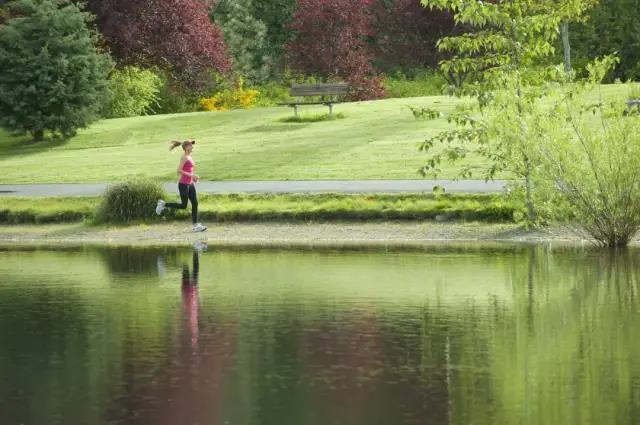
x=531, y=208
x=566, y=46
x=38, y=135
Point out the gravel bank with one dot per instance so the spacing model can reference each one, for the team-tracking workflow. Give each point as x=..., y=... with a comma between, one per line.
x=282, y=234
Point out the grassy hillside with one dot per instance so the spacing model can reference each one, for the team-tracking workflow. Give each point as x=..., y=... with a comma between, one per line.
x=376, y=140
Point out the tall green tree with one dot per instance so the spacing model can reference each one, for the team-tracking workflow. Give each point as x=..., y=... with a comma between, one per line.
x=245, y=36
x=500, y=60
x=53, y=77
x=571, y=11
x=276, y=16
x=612, y=26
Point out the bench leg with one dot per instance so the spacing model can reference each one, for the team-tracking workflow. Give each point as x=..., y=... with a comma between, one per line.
x=295, y=111
x=330, y=109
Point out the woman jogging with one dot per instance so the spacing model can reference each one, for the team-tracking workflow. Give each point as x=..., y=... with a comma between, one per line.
x=186, y=185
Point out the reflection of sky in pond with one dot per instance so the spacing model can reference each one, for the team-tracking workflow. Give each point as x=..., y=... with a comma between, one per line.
x=448, y=335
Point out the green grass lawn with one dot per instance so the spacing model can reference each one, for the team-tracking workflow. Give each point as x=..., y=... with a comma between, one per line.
x=375, y=140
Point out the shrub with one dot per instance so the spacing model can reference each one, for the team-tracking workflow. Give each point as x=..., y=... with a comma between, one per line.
x=591, y=155
x=245, y=35
x=276, y=15
x=422, y=84
x=134, y=92
x=612, y=27
x=125, y=202
x=271, y=94
x=365, y=88
x=174, y=98
x=52, y=78
x=234, y=98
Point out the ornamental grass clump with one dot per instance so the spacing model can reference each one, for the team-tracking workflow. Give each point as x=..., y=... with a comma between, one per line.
x=129, y=201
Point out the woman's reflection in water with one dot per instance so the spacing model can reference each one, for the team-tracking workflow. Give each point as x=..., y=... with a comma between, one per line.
x=190, y=297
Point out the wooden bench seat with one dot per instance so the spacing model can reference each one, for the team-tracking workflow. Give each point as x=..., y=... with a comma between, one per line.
x=330, y=94
x=633, y=106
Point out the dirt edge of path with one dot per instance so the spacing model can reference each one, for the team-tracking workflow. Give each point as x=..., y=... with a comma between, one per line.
x=303, y=235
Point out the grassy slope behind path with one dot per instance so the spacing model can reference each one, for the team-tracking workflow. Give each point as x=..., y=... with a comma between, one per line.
x=377, y=139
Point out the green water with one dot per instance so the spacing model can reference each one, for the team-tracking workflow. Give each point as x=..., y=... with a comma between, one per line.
x=451, y=335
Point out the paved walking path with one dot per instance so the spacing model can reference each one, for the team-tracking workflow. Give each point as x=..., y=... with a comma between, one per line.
x=289, y=186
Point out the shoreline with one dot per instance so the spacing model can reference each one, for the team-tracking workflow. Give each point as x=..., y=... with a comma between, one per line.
x=289, y=235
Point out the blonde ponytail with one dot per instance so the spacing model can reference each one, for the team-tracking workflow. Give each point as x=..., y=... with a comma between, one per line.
x=174, y=144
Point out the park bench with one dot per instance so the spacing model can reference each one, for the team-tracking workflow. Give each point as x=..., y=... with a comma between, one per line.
x=329, y=94
x=633, y=102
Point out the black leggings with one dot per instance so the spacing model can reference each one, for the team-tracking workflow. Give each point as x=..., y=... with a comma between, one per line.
x=187, y=193
x=191, y=279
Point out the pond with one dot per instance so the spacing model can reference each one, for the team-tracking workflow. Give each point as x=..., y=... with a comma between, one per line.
x=444, y=335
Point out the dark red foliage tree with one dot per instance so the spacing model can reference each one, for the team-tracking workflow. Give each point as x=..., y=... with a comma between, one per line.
x=174, y=34
x=407, y=33
x=331, y=41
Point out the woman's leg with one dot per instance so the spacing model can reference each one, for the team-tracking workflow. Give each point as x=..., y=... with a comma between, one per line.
x=193, y=197
x=196, y=267
x=184, y=197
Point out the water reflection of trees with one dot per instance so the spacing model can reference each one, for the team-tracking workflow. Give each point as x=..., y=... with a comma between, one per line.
x=564, y=352
x=43, y=340
x=136, y=261
x=560, y=348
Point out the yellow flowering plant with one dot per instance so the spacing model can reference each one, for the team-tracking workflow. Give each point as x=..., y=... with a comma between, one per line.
x=235, y=98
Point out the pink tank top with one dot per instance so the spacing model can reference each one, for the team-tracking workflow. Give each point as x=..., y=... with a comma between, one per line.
x=187, y=168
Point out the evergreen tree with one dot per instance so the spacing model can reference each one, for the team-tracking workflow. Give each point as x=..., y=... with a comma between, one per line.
x=613, y=26
x=245, y=37
x=53, y=78
x=277, y=16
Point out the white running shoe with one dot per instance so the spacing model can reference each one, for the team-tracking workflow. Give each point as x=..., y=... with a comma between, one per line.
x=160, y=206
x=198, y=227
x=200, y=246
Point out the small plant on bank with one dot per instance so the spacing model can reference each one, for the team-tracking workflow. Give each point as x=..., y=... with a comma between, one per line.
x=314, y=118
x=130, y=201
